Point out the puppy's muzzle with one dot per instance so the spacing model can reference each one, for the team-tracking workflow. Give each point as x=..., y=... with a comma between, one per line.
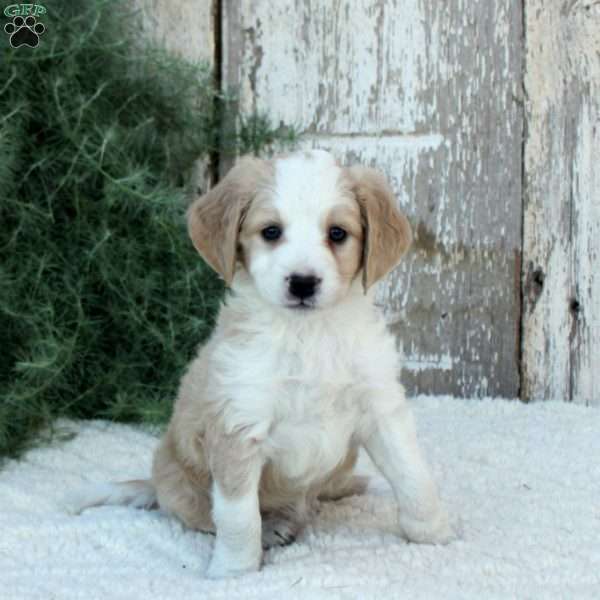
x=303, y=286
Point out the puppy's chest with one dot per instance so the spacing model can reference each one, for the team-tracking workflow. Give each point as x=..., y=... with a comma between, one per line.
x=302, y=398
x=315, y=408
x=310, y=432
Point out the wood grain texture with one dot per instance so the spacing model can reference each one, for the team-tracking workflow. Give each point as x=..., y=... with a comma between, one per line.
x=561, y=278
x=186, y=29
x=428, y=92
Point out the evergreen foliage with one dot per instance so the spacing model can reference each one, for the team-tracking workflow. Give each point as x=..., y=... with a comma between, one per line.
x=102, y=297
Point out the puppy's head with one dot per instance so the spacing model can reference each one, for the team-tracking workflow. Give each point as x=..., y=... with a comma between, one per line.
x=303, y=227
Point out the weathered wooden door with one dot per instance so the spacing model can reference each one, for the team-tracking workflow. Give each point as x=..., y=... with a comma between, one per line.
x=429, y=92
x=561, y=250
x=485, y=116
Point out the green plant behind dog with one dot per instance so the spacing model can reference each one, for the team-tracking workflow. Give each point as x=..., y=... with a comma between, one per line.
x=102, y=296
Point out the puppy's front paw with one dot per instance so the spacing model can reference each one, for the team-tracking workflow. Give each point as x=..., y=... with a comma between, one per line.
x=436, y=530
x=231, y=562
x=220, y=569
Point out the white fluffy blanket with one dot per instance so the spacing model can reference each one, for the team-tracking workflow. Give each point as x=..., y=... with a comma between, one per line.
x=524, y=480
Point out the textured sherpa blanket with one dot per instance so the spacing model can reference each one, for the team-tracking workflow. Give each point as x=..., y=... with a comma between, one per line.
x=524, y=480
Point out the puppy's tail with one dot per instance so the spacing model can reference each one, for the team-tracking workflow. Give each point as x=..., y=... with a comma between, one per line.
x=139, y=493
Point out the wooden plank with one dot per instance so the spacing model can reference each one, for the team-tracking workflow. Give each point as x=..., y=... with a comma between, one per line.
x=561, y=279
x=186, y=29
x=428, y=92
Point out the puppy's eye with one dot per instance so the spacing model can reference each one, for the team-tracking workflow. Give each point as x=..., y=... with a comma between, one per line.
x=337, y=235
x=271, y=233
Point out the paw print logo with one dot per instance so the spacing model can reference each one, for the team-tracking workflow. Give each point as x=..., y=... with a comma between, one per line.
x=24, y=32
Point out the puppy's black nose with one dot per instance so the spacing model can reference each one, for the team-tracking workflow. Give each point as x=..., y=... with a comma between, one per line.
x=303, y=286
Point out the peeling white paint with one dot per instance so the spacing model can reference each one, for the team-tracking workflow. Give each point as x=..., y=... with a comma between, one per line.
x=426, y=92
x=186, y=29
x=561, y=318
x=416, y=363
x=344, y=143
x=431, y=94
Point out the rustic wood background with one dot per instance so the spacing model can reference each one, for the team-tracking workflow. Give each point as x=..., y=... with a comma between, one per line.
x=561, y=202
x=484, y=114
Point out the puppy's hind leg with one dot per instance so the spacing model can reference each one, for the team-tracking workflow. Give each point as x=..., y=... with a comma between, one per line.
x=279, y=529
x=182, y=490
x=285, y=508
x=343, y=482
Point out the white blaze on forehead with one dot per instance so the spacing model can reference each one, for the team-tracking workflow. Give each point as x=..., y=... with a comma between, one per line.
x=306, y=185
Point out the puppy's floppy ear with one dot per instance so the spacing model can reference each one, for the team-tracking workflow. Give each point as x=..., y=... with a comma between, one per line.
x=215, y=219
x=387, y=231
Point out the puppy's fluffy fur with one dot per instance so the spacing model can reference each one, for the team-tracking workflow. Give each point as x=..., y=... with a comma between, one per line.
x=270, y=414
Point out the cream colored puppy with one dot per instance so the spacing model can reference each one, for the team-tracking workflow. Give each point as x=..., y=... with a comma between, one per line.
x=300, y=370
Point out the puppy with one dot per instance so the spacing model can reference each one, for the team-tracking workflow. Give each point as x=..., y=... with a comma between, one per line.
x=300, y=370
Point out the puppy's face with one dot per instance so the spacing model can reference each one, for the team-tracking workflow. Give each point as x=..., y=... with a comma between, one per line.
x=302, y=237
x=303, y=227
